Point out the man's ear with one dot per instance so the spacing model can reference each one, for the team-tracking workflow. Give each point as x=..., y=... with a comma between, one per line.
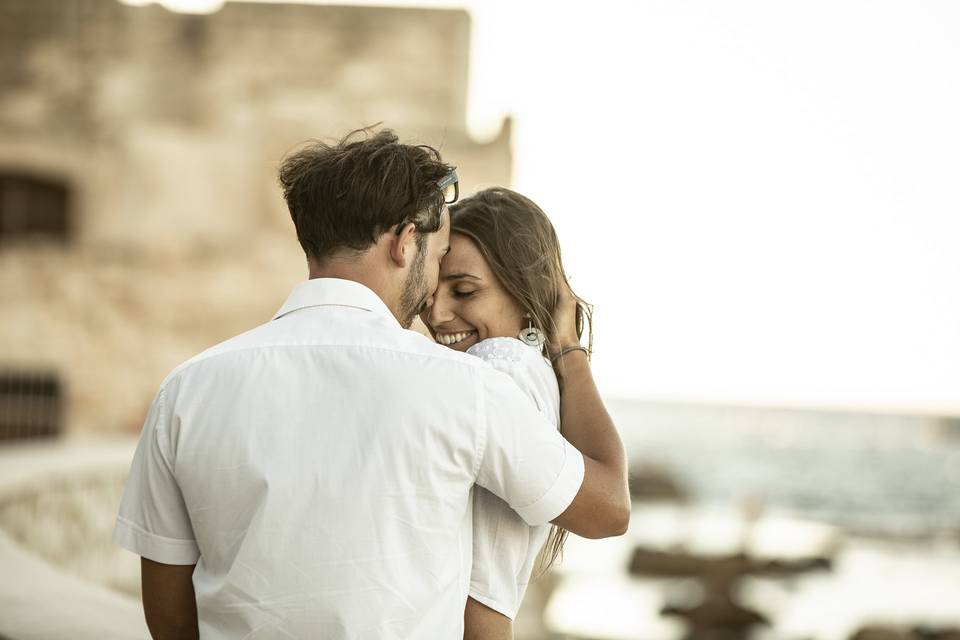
x=402, y=244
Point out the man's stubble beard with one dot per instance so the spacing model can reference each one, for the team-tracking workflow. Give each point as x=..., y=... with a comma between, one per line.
x=414, y=295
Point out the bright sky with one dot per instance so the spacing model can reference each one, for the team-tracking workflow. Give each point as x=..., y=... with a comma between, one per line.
x=761, y=198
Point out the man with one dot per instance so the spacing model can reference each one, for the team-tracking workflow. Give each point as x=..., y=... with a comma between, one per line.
x=312, y=478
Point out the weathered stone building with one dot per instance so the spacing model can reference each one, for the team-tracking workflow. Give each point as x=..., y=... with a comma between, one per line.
x=140, y=219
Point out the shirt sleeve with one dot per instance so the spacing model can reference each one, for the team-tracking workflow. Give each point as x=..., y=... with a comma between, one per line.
x=524, y=461
x=153, y=520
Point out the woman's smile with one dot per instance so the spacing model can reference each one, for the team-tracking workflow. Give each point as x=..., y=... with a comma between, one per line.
x=470, y=304
x=453, y=339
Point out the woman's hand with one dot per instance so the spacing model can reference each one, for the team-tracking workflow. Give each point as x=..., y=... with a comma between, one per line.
x=565, y=321
x=601, y=507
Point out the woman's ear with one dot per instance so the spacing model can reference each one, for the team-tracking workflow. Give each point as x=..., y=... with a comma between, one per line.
x=402, y=244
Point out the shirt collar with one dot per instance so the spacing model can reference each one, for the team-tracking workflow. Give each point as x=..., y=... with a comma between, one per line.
x=319, y=292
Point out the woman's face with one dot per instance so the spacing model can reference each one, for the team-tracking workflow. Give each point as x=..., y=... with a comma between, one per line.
x=470, y=304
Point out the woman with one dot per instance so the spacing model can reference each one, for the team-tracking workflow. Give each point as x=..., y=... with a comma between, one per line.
x=499, y=287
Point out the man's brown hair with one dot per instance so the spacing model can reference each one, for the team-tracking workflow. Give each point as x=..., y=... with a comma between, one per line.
x=343, y=196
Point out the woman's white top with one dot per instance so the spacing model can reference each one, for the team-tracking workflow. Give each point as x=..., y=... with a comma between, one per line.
x=505, y=548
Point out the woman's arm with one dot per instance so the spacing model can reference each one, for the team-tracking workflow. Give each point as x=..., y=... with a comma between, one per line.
x=480, y=622
x=604, y=497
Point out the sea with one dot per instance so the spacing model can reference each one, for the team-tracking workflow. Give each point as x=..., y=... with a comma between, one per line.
x=879, y=494
x=871, y=474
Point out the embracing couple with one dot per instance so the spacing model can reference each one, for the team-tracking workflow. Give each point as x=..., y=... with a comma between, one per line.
x=332, y=474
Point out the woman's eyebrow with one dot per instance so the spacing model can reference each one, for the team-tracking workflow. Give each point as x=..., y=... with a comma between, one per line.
x=460, y=276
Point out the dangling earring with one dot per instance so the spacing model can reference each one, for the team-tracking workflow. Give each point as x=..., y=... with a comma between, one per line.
x=531, y=336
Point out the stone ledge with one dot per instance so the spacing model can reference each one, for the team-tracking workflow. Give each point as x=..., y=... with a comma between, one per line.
x=38, y=600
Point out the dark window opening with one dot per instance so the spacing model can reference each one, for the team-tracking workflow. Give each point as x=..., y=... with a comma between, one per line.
x=33, y=208
x=31, y=405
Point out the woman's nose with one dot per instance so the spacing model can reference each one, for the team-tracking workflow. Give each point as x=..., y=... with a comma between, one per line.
x=439, y=312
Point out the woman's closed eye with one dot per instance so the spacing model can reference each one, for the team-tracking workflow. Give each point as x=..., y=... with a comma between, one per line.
x=463, y=294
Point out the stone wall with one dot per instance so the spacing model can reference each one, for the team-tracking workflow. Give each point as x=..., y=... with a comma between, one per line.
x=167, y=130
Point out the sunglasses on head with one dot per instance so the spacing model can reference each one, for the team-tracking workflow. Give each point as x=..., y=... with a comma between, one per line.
x=450, y=188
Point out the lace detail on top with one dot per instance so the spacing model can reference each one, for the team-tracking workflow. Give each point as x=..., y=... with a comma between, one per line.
x=501, y=348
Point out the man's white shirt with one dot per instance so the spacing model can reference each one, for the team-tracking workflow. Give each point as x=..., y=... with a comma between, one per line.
x=319, y=469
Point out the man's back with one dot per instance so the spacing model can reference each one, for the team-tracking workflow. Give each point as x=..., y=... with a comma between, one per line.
x=319, y=471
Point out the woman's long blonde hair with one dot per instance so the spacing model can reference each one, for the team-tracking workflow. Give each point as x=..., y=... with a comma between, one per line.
x=521, y=246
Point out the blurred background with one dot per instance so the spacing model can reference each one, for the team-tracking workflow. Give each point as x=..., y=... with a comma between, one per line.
x=760, y=198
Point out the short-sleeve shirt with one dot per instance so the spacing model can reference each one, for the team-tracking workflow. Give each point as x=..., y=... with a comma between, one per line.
x=319, y=470
x=505, y=547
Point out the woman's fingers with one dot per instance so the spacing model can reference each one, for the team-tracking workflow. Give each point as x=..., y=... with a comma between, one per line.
x=565, y=319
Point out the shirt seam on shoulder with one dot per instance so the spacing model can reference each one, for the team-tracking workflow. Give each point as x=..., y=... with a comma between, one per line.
x=482, y=422
x=159, y=426
x=201, y=357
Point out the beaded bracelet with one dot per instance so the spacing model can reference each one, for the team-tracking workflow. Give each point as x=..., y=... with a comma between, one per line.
x=565, y=351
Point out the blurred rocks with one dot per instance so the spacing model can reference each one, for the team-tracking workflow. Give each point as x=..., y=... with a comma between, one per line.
x=914, y=633
x=717, y=569
x=650, y=482
x=717, y=615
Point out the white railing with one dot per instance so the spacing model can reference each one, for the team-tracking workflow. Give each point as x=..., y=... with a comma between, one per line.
x=63, y=578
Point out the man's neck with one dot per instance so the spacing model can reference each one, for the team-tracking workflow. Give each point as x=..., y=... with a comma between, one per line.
x=360, y=269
